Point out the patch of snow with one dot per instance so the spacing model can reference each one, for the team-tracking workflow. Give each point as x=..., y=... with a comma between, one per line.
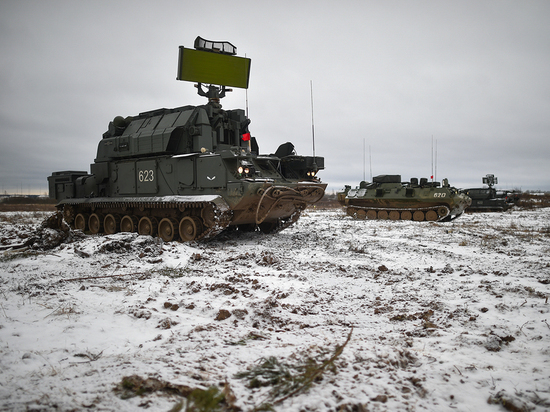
x=442, y=315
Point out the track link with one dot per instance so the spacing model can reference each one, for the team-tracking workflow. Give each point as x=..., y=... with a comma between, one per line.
x=172, y=219
x=439, y=213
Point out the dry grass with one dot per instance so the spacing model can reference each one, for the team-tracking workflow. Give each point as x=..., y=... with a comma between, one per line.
x=26, y=204
x=531, y=201
x=27, y=208
x=289, y=379
x=23, y=218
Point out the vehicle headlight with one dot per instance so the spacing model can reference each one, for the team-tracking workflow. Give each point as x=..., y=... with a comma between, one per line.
x=245, y=169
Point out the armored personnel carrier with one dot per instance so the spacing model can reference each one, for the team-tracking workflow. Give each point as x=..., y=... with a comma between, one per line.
x=387, y=197
x=189, y=172
x=487, y=199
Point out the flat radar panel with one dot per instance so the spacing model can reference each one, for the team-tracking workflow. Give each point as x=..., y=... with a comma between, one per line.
x=213, y=68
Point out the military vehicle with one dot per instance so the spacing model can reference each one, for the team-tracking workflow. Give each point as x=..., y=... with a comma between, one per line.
x=189, y=172
x=387, y=197
x=487, y=199
x=512, y=197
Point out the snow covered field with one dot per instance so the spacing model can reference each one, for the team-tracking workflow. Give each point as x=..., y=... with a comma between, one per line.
x=331, y=314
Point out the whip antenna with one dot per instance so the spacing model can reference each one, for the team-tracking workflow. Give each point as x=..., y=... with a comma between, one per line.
x=435, y=163
x=312, y=122
x=370, y=162
x=432, y=177
x=246, y=98
x=364, y=162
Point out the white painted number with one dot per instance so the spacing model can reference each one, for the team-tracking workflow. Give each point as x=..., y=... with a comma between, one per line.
x=440, y=194
x=146, y=176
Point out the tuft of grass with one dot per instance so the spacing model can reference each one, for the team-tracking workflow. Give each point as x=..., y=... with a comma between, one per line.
x=14, y=255
x=205, y=400
x=178, y=407
x=288, y=379
x=173, y=272
x=193, y=399
x=250, y=336
x=271, y=372
x=65, y=309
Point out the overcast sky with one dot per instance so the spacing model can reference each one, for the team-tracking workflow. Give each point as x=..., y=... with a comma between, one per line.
x=389, y=78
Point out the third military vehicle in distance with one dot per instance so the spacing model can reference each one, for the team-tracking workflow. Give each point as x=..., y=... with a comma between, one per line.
x=190, y=172
x=487, y=199
x=387, y=197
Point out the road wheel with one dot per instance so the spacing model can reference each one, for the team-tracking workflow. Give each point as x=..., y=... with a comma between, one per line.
x=418, y=216
x=371, y=214
x=382, y=215
x=168, y=229
x=128, y=223
x=190, y=227
x=147, y=226
x=431, y=215
x=81, y=221
x=111, y=223
x=95, y=223
x=406, y=215
x=394, y=215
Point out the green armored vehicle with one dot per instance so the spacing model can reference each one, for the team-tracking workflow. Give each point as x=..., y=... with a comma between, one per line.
x=389, y=198
x=190, y=172
x=487, y=199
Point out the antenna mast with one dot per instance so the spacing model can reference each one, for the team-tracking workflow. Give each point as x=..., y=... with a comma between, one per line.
x=246, y=98
x=312, y=122
x=364, y=163
x=435, y=174
x=370, y=162
x=432, y=158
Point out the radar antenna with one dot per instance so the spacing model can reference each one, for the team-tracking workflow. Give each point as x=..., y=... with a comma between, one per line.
x=214, y=63
x=490, y=180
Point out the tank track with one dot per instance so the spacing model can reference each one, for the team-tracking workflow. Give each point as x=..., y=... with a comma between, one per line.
x=174, y=218
x=438, y=213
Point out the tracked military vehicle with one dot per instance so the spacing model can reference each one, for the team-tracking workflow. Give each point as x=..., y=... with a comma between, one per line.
x=189, y=172
x=487, y=199
x=387, y=197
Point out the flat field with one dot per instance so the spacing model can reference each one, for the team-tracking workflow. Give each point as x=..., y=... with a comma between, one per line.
x=331, y=314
